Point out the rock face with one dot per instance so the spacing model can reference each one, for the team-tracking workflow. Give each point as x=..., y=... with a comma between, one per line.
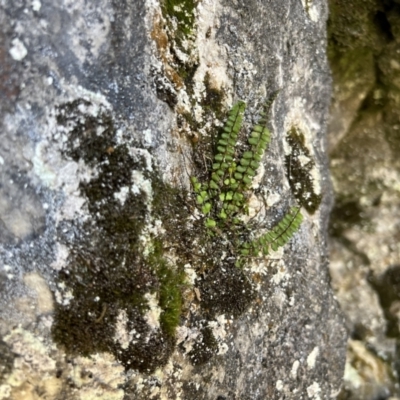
x=123, y=275
x=364, y=149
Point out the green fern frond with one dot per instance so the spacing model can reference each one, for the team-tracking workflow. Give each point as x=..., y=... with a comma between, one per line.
x=224, y=198
x=279, y=235
x=223, y=159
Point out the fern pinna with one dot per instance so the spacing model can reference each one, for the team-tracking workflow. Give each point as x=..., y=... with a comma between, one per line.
x=224, y=198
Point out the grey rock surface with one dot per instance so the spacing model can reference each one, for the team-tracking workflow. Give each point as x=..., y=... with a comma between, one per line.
x=107, y=109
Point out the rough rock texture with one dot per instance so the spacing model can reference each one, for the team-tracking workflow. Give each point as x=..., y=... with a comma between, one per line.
x=364, y=147
x=111, y=286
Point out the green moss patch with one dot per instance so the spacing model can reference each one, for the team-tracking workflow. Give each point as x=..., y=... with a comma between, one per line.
x=181, y=12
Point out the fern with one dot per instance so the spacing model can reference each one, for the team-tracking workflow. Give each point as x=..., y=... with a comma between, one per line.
x=224, y=198
x=277, y=237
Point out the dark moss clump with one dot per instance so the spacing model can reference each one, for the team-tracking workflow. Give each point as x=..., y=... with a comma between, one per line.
x=226, y=290
x=101, y=291
x=299, y=174
x=204, y=348
x=107, y=272
x=6, y=360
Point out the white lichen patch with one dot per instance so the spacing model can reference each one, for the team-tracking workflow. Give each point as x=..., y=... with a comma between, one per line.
x=98, y=377
x=200, y=48
x=186, y=337
x=314, y=390
x=139, y=154
x=147, y=137
x=50, y=168
x=91, y=29
x=122, y=335
x=36, y=5
x=295, y=368
x=312, y=357
x=304, y=160
x=211, y=57
x=43, y=166
x=63, y=295
x=255, y=206
x=122, y=195
x=18, y=50
x=311, y=9
x=164, y=384
x=218, y=327
x=279, y=385
x=287, y=148
x=152, y=316
x=152, y=229
x=34, y=369
x=257, y=180
x=32, y=352
x=141, y=184
x=190, y=273
x=281, y=274
x=272, y=199
x=44, y=298
x=316, y=178
x=62, y=253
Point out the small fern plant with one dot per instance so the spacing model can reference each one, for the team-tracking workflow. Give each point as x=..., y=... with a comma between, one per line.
x=224, y=198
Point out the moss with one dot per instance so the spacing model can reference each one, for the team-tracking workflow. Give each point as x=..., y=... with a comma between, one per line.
x=204, y=348
x=108, y=271
x=233, y=297
x=172, y=281
x=299, y=172
x=182, y=13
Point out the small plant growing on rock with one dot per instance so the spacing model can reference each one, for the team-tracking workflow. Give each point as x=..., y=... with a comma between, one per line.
x=223, y=200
